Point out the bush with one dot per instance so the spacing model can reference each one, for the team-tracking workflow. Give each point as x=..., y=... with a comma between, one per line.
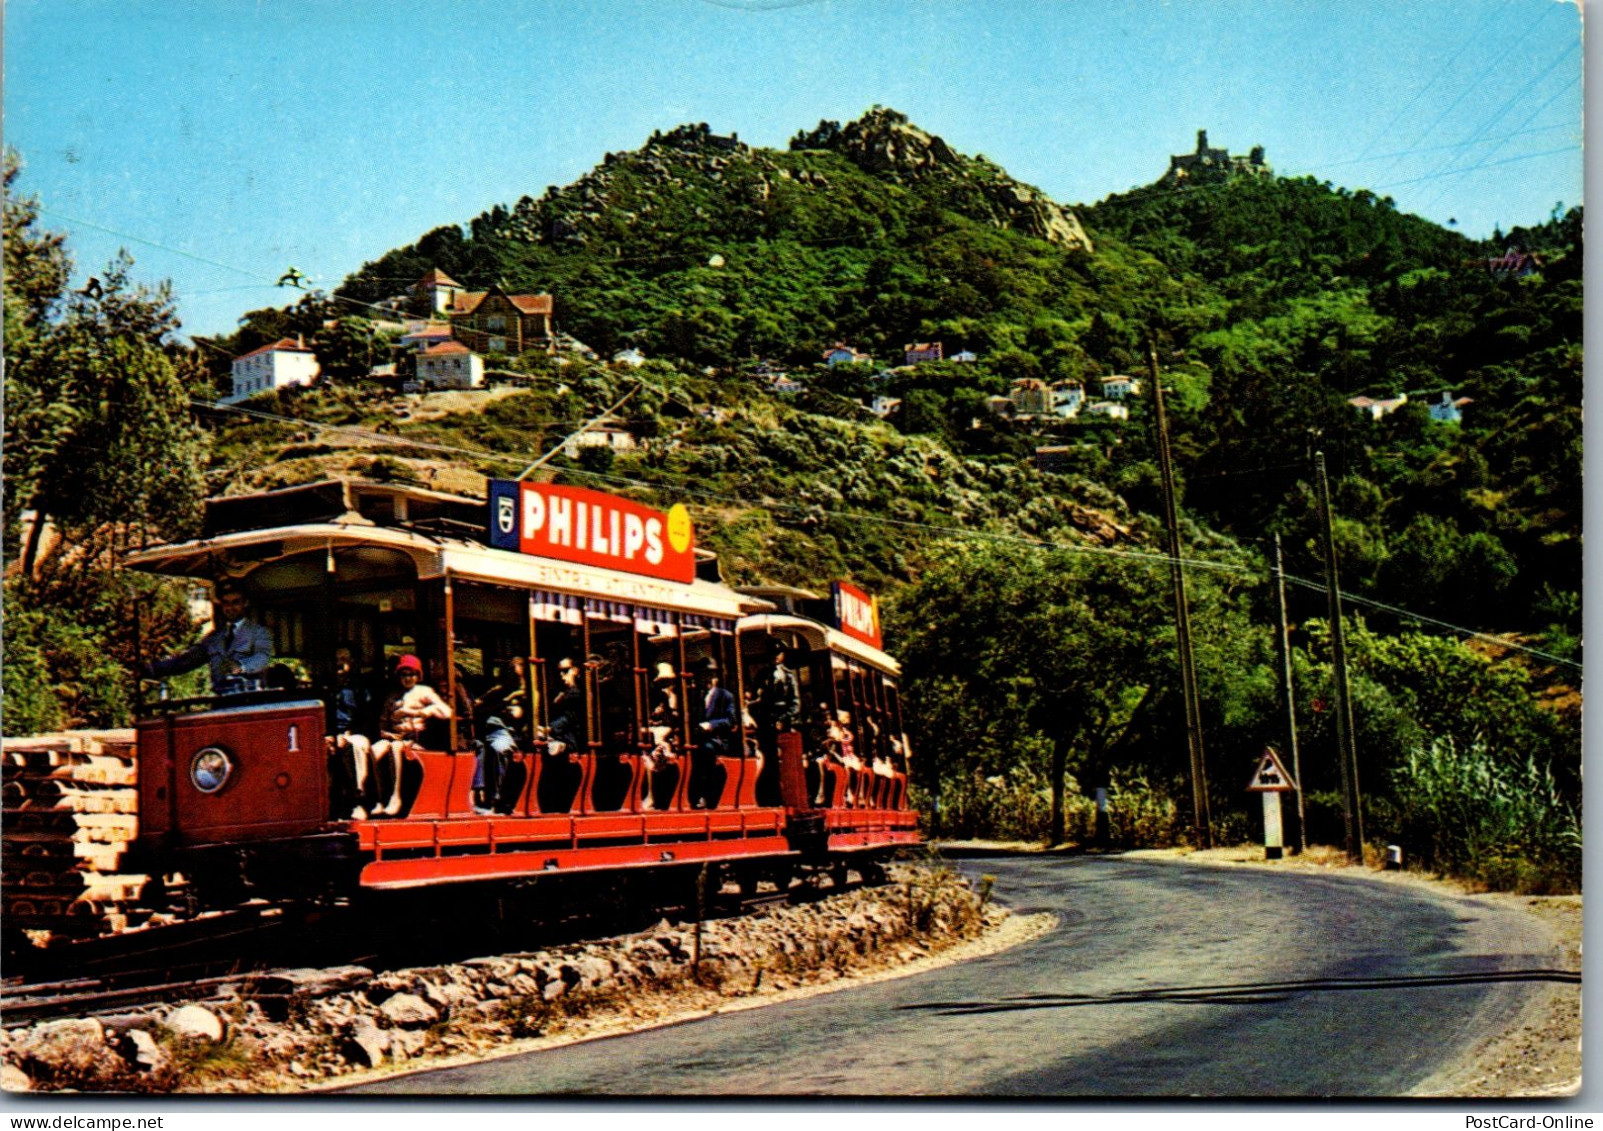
x=1501, y=820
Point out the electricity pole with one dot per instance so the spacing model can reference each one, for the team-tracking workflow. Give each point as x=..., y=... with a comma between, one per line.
x=1347, y=749
x=1283, y=646
x=1201, y=819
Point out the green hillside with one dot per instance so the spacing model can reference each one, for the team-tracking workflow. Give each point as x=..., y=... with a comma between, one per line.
x=1270, y=303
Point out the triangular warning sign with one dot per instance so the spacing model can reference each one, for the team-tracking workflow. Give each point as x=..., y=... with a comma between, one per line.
x=1271, y=776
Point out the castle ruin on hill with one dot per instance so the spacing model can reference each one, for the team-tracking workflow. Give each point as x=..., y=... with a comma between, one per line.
x=1207, y=165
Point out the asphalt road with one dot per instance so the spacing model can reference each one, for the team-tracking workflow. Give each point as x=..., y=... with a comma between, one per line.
x=1163, y=979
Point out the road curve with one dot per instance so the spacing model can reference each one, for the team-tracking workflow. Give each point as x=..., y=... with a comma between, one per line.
x=1163, y=979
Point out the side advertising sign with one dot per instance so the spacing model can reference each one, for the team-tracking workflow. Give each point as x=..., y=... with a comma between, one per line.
x=575, y=524
x=856, y=613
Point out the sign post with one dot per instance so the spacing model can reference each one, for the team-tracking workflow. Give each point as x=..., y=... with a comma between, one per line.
x=1272, y=780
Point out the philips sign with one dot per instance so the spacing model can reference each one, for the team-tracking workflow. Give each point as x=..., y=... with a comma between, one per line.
x=856, y=613
x=573, y=524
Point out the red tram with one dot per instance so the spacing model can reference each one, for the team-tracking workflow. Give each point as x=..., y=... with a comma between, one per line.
x=243, y=794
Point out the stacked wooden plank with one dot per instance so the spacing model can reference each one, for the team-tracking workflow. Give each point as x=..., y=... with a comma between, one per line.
x=70, y=810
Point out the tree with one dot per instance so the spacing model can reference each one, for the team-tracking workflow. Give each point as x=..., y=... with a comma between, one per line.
x=1017, y=657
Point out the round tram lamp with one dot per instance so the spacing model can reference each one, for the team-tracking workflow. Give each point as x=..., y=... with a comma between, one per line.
x=210, y=769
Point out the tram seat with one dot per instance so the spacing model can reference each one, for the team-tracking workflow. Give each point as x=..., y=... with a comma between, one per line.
x=837, y=781
x=519, y=784
x=724, y=786
x=746, y=787
x=615, y=780
x=558, y=781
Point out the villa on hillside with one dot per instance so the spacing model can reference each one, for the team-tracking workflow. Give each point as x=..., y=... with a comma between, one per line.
x=922, y=351
x=1067, y=398
x=436, y=292
x=497, y=322
x=842, y=354
x=450, y=365
x=1030, y=397
x=601, y=436
x=285, y=362
x=1376, y=408
x=1118, y=386
x=1113, y=410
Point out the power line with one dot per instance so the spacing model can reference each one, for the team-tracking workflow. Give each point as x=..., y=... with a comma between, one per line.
x=998, y=537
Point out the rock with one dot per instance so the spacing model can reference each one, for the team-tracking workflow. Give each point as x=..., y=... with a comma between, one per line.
x=195, y=1021
x=141, y=1051
x=313, y=982
x=554, y=989
x=408, y=1044
x=365, y=1043
x=408, y=1011
x=14, y=1079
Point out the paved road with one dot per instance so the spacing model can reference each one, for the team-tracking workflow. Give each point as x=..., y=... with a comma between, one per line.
x=1163, y=979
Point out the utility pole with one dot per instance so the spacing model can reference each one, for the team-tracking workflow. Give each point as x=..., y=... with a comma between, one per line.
x=1201, y=819
x=1283, y=646
x=1347, y=749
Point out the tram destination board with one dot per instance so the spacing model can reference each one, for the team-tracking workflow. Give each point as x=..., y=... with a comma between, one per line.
x=574, y=524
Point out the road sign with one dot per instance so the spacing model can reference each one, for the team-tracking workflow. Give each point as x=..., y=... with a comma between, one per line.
x=1271, y=776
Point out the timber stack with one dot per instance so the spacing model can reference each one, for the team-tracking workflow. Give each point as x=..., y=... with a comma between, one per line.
x=71, y=803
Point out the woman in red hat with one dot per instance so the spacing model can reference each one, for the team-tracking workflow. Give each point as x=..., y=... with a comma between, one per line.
x=405, y=714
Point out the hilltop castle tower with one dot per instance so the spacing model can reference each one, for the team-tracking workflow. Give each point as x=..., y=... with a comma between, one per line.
x=1208, y=165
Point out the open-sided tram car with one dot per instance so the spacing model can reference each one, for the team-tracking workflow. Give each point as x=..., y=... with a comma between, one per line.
x=241, y=794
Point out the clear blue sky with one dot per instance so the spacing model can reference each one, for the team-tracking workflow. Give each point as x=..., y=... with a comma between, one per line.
x=322, y=133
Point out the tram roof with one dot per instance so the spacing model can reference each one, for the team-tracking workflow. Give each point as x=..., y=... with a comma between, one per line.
x=438, y=532
x=820, y=635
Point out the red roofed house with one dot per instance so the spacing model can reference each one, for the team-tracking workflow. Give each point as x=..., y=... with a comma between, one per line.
x=437, y=291
x=450, y=365
x=923, y=351
x=285, y=362
x=496, y=322
x=842, y=354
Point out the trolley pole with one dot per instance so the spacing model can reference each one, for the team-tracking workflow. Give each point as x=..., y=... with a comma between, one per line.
x=1201, y=818
x=1347, y=749
x=1283, y=646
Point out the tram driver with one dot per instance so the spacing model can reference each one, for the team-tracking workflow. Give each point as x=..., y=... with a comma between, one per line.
x=237, y=649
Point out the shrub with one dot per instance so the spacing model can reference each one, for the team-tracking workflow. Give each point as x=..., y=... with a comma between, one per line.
x=1470, y=812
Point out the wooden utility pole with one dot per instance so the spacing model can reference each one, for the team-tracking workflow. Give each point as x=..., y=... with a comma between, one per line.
x=1202, y=821
x=1347, y=751
x=1283, y=646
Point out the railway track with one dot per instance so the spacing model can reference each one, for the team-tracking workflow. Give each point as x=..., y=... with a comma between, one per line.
x=253, y=953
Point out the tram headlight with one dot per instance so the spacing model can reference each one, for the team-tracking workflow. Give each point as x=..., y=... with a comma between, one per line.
x=210, y=769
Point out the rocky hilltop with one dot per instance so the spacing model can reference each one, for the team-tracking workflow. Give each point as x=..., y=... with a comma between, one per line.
x=885, y=143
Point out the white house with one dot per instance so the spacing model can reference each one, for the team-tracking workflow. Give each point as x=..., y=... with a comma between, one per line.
x=841, y=354
x=450, y=365
x=964, y=357
x=1379, y=407
x=286, y=362
x=882, y=405
x=1113, y=410
x=437, y=291
x=785, y=385
x=1068, y=397
x=1118, y=386
x=633, y=358
x=599, y=437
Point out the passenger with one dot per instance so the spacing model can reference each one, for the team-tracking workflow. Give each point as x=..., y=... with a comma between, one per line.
x=507, y=699
x=566, y=734
x=663, y=728
x=846, y=744
x=495, y=750
x=353, y=708
x=778, y=698
x=402, y=720
x=237, y=649
x=719, y=723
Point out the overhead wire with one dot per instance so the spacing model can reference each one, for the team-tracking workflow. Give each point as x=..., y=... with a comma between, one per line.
x=998, y=537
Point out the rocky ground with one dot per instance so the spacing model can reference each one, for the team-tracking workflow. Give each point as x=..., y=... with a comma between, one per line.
x=314, y=1028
